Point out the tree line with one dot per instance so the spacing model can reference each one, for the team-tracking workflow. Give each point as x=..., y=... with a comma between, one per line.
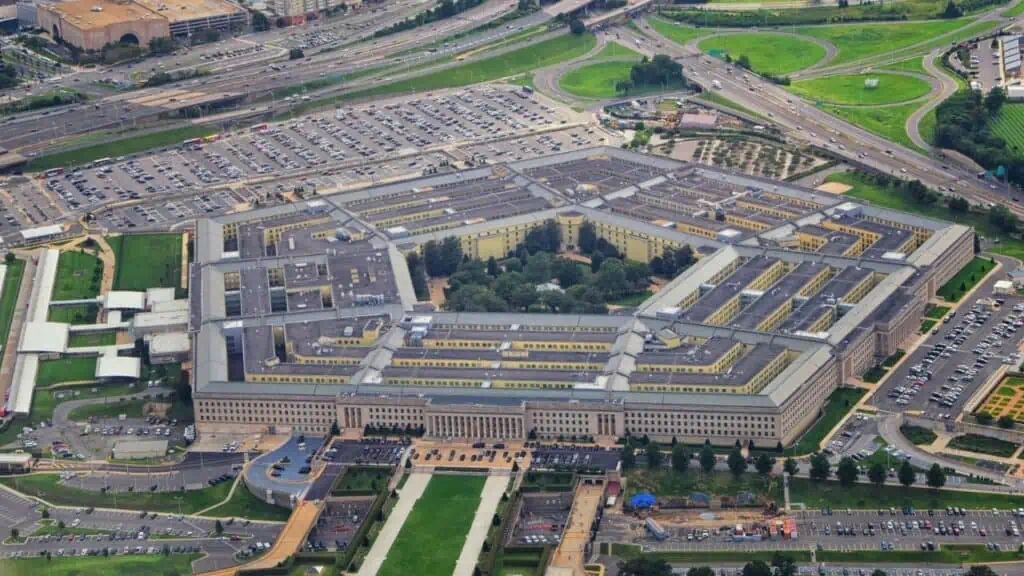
x=661, y=71
x=446, y=9
x=963, y=122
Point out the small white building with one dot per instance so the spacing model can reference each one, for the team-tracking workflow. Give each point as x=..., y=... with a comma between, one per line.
x=115, y=368
x=169, y=347
x=1004, y=287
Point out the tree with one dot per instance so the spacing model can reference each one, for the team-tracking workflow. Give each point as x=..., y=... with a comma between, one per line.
x=296, y=53
x=587, y=238
x=980, y=570
x=877, y=473
x=743, y=62
x=952, y=10
x=218, y=527
x=784, y=564
x=680, y=459
x=983, y=418
x=779, y=448
x=847, y=471
x=46, y=513
x=14, y=533
x=879, y=572
x=757, y=568
x=707, y=458
x=260, y=22
x=628, y=458
x=61, y=525
x=764, y=464
x=596, y=261
x=623, y=86
x=577, y=27
x=820, y=467
x=335, y=429
x=654, y=456
x=790, y=466
x=906, y=474
x=995, y=99
x=700, y=571
x=1007, y=421
x=496, y=520
x=737, y=463
x=645, y=566
x=936, y=477
x=9, y=258
x=492, y=267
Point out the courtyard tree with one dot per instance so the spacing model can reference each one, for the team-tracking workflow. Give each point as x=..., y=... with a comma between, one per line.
x=790, y=466
x=764, y=464
x=737, y=463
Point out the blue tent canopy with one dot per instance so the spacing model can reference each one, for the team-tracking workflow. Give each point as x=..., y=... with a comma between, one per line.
x=642, y=500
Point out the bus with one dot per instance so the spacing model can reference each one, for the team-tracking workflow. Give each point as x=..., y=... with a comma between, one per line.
x=53, y=172
x=102, y=162
x=192, y=142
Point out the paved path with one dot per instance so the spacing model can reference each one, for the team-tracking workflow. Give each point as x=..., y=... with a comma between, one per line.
x=489, y=498
x=407, y=498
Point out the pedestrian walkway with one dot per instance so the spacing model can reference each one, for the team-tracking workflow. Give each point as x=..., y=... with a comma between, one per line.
x=407, y=498
x=489, y=498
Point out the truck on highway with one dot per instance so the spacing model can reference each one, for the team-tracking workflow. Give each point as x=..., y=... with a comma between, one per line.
x=716, y=84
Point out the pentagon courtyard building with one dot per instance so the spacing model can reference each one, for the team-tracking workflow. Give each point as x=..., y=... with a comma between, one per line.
x=304, y=315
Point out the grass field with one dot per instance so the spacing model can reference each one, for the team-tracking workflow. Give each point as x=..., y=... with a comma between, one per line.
x=965, y=279
x=850, y=89
x=363, y=479
x=937, y=312
x=723, y=101
x=889, y=122
x=70, y=369
x=856, y=41
x=1009, y=125
x=707, y=556
x=515, y=62
x=832, y=494
x=926, y=326
x=147, y=261
x=243, y=504
x=839, y=403
x=448, y=501
x=596, y=80
x=49, y=488
x=927, y=126
x=1014, y=12
x=159, y=565
x=9, y=297
x=76, y=276
x=92, y=339
x=675, y=32
x=769, y=53
x=915, y=64
x=118, y=147
x=616, y=50
x=131, y=408
x=983, y=445
x=917, y=435
x=85, y=314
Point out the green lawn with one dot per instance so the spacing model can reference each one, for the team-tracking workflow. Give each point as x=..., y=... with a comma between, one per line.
x=947, y=554
x=839, y=403
x=869, y=496
x=244, y=504
x=616, y=50
x=937, y=312
x=665, y=482
x=926, y=326
x=717, y=98
x=915, y=64
x=158, y=565
x=675, y=32
x=76, y=276
x=84, y=340
x=147, y=261
x=9, y=297
x=512, y=63
x=851, y=89
x=45, y=401
x=70, y=369
x=596, y=80
x=983, y=445
x=926, y=126
x=1014, y=12
x=917, y=435
x=627, y=551
x=1009, y=125
x=132, y=408
x=633, y=299
x=49, y=488
x=888, y=122
x=85, y=314
x=856, y=41
x=775, y=54
x=965, y=279
x=448, y=501
x=120, y=147
x=370, y=479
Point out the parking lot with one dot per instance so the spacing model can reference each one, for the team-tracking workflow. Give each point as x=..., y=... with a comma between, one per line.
x=365, y=452
x=554, y=456
x=337, y=525
x=945, y=371
x=542, y=518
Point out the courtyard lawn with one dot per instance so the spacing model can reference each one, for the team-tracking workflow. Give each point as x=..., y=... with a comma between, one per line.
x=616, y=50
x=448, y=501
x=965, y=279
x=147, y=261
x=983, y=445
x=9, y=297
x=172, y=565
x=1009, y=125
x=49, y=488
x=856, y=41
x=917, y=435
x=243, y=504
x=88, y=339
x=84, y=314
x=78, y=276
x=596, y=80
x=768, y=53
x=839, y=403
x=675, y=32
x=851, y=89
x=70, y=369
x=362, y=480
x=888, y=122
x=131, y=408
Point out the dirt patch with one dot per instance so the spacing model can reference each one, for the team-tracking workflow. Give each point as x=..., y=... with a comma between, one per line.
x=156, y=409
x=834, y=188
x=437, y=286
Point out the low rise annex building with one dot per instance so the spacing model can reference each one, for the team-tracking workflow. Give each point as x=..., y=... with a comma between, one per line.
x=304, y=315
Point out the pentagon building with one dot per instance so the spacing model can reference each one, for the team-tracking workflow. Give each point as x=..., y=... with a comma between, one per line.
x=305, y=315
